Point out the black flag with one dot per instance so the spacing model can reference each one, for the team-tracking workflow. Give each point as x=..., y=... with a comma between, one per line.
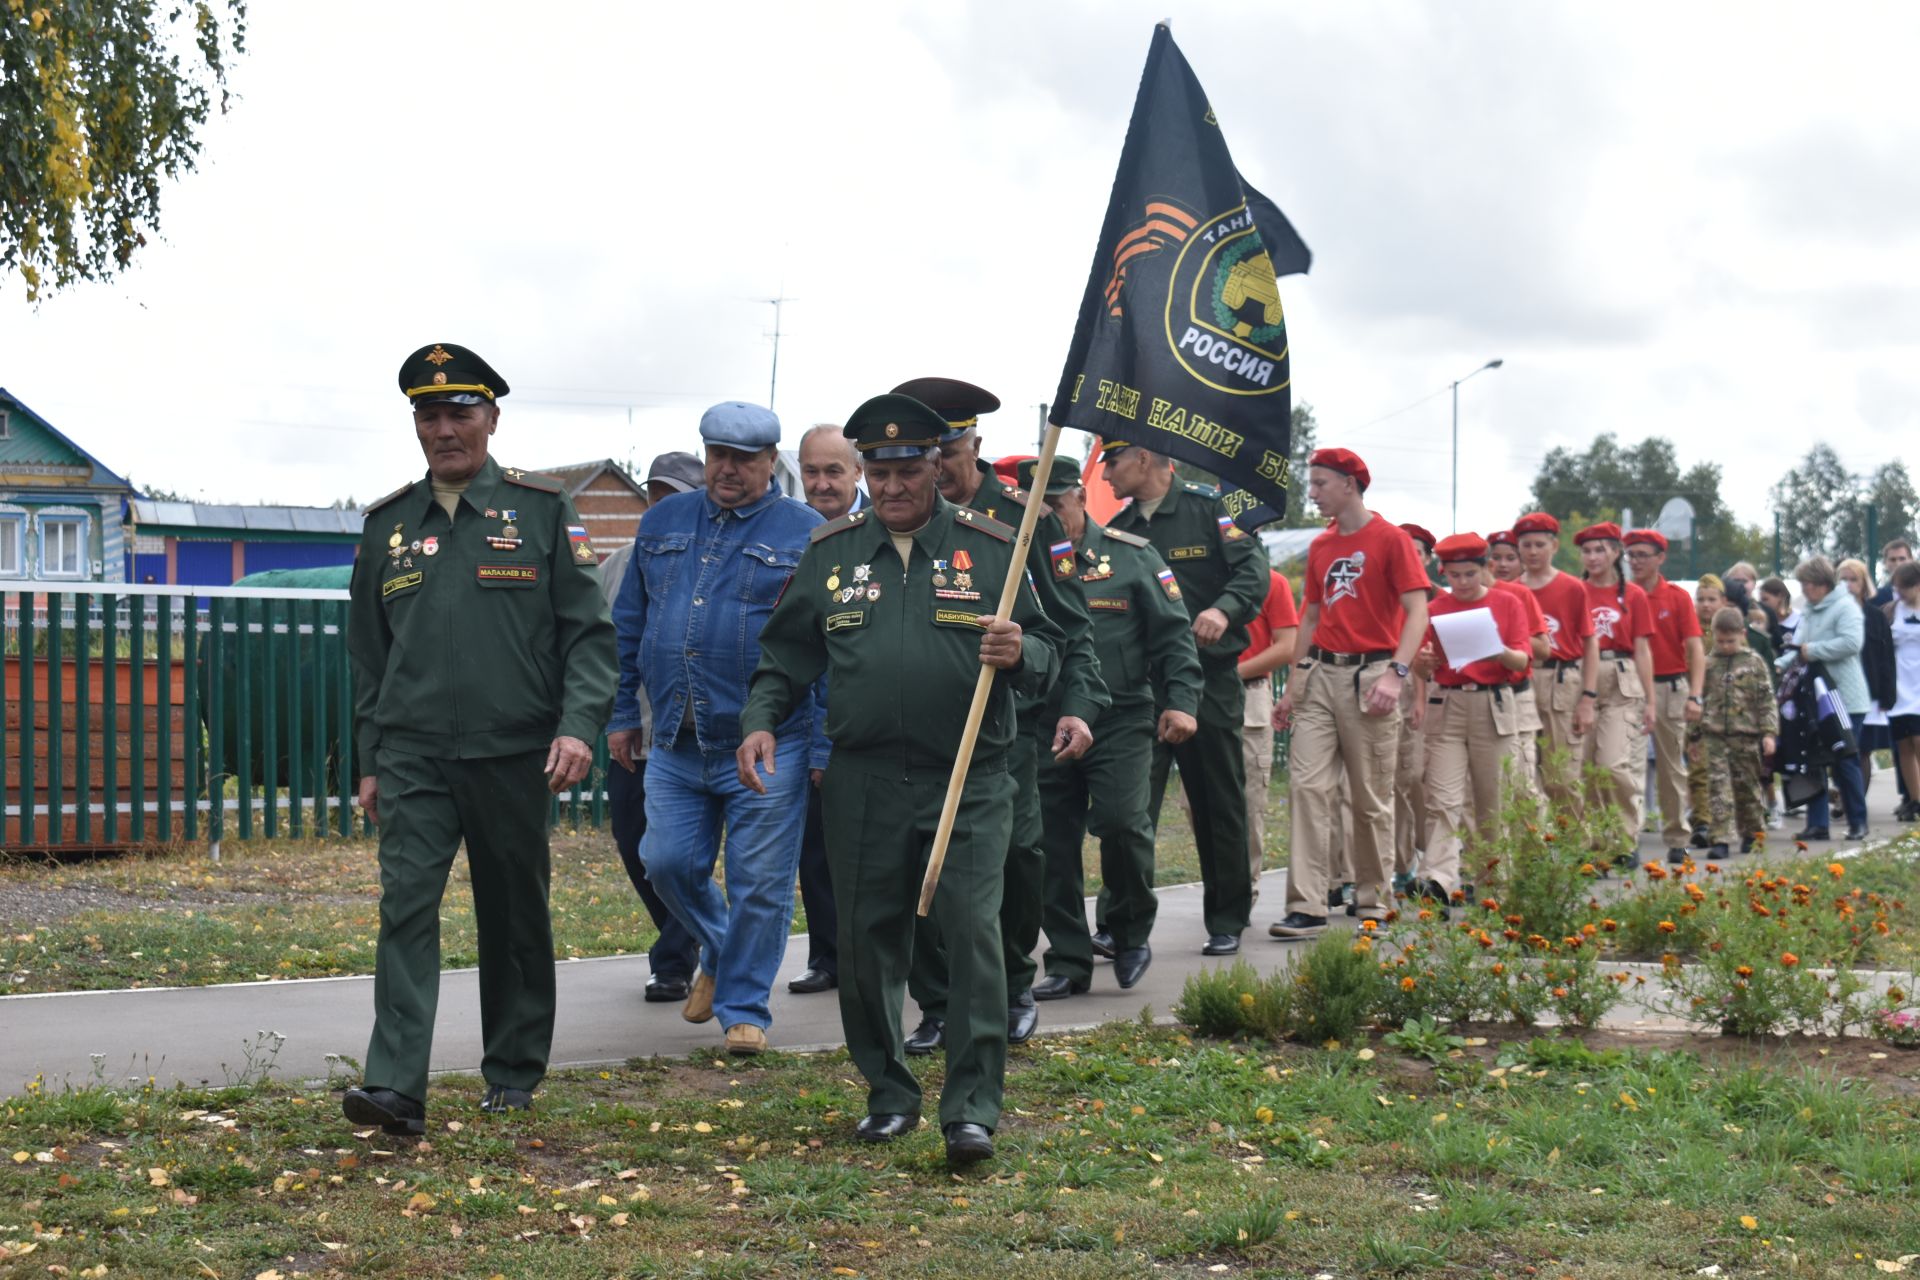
x=1181, y=344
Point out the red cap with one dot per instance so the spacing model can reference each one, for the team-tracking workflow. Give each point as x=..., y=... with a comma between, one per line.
x=1422, y=536
x=1504, y=538
x=1345, y=461
x=1008, y=468
x=1461, y=546
x=1594, y=532
x=1536, y=522
x=1647, y=537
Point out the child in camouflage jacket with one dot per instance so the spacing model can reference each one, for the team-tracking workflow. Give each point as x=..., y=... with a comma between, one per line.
x=1740, y=722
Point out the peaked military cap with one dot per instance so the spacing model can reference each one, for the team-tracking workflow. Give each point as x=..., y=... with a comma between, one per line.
x=959, y=403
x=1064, y=477
x=894, y=426
x=446, y=372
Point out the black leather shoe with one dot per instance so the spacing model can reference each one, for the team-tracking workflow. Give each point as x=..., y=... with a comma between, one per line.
x=1298, y=924
x=1856, y=833
x=500, y=1099
x=1130, y=964
x=1221, y=944
x=928, y=1036
x=1103, y=945
x=1719, y=851
x=1746, y=844
x=1676, y=856
x=1701, y=839
x=1022, y=1018
x=1057, y=986
x=394, y=1112
x=1813, y=833
x=1340, y=895
x=814, y=980
x=885, y=1128
x=666, y=990
x=968, y=1143
x=1434, y=896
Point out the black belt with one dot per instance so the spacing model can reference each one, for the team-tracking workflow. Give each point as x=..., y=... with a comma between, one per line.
x=1672, y=682
x=1332, y=659
x=1561, y=664
x=1470, y=687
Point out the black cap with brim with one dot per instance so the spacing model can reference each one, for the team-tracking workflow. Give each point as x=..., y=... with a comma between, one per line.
x=447, y=373
x=1063, y=478
x=892, y=427
x=958, y=403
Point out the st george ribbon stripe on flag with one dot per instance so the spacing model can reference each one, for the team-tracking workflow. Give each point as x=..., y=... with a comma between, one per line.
x=1181, y=343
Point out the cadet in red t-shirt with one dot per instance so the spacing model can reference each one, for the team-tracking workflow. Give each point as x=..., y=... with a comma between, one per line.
x=1679, y=681
x=1623, y=717
x=1476, y=735
x=1366, y=596
x=1567, y=686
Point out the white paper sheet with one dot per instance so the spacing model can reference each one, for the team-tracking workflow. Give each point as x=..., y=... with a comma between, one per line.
x=1467, y=637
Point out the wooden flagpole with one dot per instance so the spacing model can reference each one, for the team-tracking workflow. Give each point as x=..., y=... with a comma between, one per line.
x=982, y=687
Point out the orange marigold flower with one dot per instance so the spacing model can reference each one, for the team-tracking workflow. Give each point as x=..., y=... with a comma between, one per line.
x=1425, y=914
x=1880, y=926
x=1490, y=904
x=1368, y=926
x=1515, y=919
x=1695, y=892
x=1655, y=871
x=1393, y=913
x=1801, y=845
x=1610, y=925
x=1407, y=983
x=1788, y=959
x=1511, y=935
x=1486, y=940
x=1745, y=971
x=1498, y=969
x=1588, y=869
x=1713, y=868
x=1559, y=993
x=1589, y=929
x=1895, y=995
x=1668, y=926
x=1836, y=870
x=1458, y=895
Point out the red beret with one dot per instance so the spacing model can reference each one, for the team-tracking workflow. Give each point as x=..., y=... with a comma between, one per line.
x=1345, y=461
x=1647, y=537
x=1419, y=535
x=1504, y=538
x=1594, y=532
x=1536, y=522
x=1461, y=546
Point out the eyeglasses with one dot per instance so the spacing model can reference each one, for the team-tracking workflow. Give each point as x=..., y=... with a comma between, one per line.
x=1641, y=555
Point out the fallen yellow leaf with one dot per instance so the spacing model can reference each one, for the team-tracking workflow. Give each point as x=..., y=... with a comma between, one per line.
x=157, y=1177
x=1750, y=1222
x=420, y=1202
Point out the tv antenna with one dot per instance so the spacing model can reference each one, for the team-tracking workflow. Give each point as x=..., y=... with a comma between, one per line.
x=773, y=380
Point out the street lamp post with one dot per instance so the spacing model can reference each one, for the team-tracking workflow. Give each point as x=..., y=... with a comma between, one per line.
x=1491, y=364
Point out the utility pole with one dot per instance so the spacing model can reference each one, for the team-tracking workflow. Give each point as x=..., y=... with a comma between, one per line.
x=1491, y=364
x=773, y=381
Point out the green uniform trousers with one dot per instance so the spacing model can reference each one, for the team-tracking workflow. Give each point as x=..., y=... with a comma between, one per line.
x=1103, y=792
x=427, y=805
x=1019, y=901
x=1213, y=771
x=879, y=835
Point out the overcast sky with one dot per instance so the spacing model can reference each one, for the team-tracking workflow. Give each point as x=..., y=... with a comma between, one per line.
x=1689, y=220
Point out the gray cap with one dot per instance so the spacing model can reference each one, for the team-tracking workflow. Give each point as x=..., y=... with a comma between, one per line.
x=738, y=425
x=682, y=471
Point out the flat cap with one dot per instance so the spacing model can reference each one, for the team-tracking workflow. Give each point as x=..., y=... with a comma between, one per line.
x=1461, y=547
x=448, y=373
x=1345, y=461
x=736, y=424
x=894, y=426
x=1536, y=522
x=959, y=403
x=681, y=472
x=1606, y=529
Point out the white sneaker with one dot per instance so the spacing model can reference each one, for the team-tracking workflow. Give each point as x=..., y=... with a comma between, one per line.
x=1774, y=822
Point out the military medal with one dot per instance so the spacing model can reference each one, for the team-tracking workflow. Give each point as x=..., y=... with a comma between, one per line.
x=509, y=531
x=861, y=572
x=962, y=559
x=430, y=546
x=833, y=579
x=396, y=539
x=964, y=581
x=415, y=545
x=491, y=514
x=873, y=591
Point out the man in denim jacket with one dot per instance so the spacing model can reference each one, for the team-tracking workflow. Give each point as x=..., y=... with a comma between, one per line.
x=706, y=571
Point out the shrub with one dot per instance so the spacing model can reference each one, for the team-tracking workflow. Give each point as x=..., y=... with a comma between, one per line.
x=1335, y=989
x=1237, y=1001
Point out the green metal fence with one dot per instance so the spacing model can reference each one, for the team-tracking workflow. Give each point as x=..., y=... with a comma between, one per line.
x=143, y=715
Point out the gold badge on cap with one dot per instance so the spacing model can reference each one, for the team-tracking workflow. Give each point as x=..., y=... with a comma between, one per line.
x=437, y=356
x=893, y=430
x=439, y=379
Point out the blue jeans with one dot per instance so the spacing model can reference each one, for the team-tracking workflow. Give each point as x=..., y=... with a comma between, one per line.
x=1853, y=796
x=674, y=953
x=691, y=797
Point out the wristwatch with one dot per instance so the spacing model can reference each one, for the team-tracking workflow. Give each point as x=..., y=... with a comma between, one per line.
x=1590, y=693
x=1400, y=669
x=1696, y=700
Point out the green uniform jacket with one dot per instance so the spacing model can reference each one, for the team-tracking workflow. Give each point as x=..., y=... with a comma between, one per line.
x=1140, y=629
x=1739, y=696
x=472, y=641
x=902, y=666
x=1082, y=690
x=1217, y=565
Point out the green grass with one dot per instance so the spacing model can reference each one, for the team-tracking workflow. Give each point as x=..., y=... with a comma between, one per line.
x=310, y=909
x=1130, y=1151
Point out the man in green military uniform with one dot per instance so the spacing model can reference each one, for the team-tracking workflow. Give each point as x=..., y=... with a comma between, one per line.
x=1222, y=572
x=1141, y=632
x=967, y=481
x=895, y=603
x=483, y=665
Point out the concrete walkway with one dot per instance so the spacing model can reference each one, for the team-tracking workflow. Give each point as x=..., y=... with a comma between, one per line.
x=202, y=1034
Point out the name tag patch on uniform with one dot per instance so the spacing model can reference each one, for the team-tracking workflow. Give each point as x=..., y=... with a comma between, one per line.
x=1107, y=602
x=405, y=582
x=1187, y=553
x=841, y=621
x=964, y=617
x=508, y=575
